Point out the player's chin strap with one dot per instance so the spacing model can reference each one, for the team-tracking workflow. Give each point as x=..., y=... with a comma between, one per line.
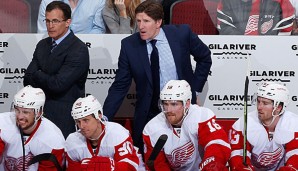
x=46, y=157
x=36, y=119
x=273, y=119
x=102, y=131
x=95, y=139
x=185, y=112
x=92, y=139
x=274, y=116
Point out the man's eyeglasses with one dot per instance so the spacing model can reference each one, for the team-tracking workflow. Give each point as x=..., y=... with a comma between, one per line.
x=54, y=22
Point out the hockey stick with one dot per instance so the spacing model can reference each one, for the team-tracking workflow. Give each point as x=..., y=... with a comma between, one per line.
x=23, y=146
x=245, y=113
x=46, y=157
x=156, y=149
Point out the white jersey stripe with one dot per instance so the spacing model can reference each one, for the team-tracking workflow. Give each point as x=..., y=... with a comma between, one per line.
x=135, y=165
x=220, y=142
x=290, y=154
x=239, y=153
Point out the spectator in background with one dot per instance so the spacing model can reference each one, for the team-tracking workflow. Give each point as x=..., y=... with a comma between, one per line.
x=152, y=57
x=194, y=137
x=272, y=133
x=41, y=25
x=59, y=67
x=25, y=133
x=295, y=25
x=255, y=17
x=99, y=144
x=86, y=16
x=119, y=16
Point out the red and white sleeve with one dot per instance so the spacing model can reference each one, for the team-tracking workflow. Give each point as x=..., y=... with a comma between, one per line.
x=236, y=140
x=72, y=165
x=125, y=157
x=291, y=157
x=288, y=12
x=2, y=146
x=49, y=165
x=215, y=141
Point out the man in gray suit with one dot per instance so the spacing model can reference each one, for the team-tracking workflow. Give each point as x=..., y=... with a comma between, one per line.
x=59, y=67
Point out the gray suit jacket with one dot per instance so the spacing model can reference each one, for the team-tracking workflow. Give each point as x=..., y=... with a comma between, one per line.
x=61, y=75
x=116, y=24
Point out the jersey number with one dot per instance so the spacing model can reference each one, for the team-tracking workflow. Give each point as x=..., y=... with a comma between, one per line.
x=213, y=126
x=125, y=149
x=234, y=137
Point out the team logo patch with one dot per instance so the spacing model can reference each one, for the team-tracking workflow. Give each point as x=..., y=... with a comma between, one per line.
x=252, y=24
x=266, y=26
x=79, y=104
x=181, y=155
x=170, y=87
x=268, y=160
x=16, y=164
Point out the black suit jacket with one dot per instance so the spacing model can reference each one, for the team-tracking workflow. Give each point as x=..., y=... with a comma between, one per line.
x=61, y=75
x=134, y=64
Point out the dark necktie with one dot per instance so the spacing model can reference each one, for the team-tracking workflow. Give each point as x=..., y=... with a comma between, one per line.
x=154, y=58
x=53, y=46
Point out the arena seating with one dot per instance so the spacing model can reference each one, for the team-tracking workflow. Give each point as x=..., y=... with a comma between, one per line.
x=194, y=12
x=15, y=16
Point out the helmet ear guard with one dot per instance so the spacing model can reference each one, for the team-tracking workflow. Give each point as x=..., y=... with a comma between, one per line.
x=85, y=106
x=278, y=93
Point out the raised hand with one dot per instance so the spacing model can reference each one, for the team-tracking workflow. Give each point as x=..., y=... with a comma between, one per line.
x=121, y=7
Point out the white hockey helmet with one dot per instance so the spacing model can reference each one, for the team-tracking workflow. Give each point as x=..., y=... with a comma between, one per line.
x=86, y=106
x=29, y=97
x=176, y=90
x=276, y=92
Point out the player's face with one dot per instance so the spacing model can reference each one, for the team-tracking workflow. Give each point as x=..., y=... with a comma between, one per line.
x=24, y=118
x=148, y=27
x=57, y=26
x=89, y=126
x=173, y=110
x=265, y=108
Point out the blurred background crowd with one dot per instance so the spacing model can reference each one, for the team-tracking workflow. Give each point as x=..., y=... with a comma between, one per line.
x=206, y=17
